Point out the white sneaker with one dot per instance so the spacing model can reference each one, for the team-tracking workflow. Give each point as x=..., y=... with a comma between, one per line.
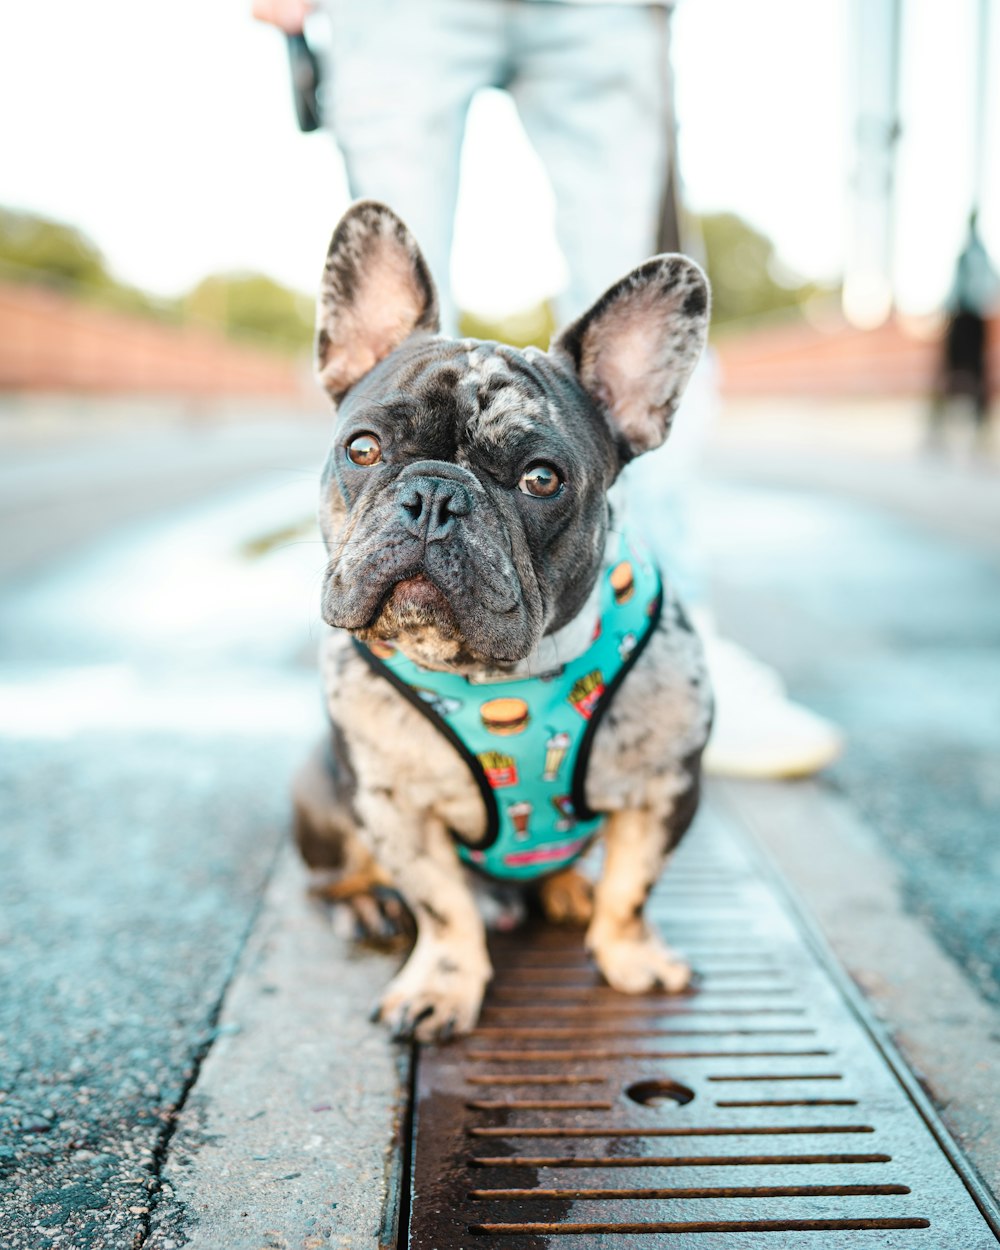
x=758, y=731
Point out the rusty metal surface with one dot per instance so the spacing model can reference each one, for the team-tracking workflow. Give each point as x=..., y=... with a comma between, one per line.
x=756, y=1110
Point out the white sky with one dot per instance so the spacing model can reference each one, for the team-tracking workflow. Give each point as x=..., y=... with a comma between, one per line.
x=165, y=131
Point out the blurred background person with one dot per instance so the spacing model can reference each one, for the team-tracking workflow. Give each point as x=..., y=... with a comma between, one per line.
x=965, y=364
x=592, y=87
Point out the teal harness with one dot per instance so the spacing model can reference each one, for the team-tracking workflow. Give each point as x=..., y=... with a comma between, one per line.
x=527, y=740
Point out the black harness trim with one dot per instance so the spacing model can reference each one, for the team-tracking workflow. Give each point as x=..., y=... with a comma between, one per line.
x=579, y=787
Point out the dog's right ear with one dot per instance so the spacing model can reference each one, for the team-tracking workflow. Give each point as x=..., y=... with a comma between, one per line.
x=634, y=350
x=376, y=292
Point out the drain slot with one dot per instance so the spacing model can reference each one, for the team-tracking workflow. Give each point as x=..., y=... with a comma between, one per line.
x=785, y=1130
x=536, y=1079
x=556, y=1034
x=571, y=1056
x=790, y=1102
x=716, y=1226
x=538, y=1104
x=673, y=1161
x=633, y=1008
x=782, y=1076
x=731, y=1191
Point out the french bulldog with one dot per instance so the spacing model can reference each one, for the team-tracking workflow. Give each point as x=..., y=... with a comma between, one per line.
x=466, y=516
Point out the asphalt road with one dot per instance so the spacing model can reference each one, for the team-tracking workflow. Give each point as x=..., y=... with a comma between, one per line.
x=156, y=690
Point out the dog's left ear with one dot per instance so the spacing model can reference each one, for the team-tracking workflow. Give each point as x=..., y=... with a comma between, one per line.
x=376, y=292
x=634, y=350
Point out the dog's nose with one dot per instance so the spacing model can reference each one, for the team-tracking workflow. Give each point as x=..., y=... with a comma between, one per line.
x=429, y=506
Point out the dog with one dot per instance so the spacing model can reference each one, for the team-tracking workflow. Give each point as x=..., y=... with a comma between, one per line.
x=491, y=622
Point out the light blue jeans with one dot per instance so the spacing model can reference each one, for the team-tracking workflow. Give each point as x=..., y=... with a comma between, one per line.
x=589, y=82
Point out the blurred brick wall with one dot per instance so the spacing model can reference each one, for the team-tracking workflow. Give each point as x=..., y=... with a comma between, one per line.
x=51, y=342
x=836, y=361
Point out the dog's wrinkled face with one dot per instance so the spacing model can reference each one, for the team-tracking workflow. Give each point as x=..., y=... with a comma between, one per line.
x=467, y=490
x=464, y=506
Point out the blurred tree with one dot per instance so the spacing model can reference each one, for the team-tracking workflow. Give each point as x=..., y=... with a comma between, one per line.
x=38, y=249
x=252, y=305
x=748, y=279
x=532, y=327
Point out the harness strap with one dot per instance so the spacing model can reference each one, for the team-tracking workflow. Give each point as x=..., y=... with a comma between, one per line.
x=579, y=786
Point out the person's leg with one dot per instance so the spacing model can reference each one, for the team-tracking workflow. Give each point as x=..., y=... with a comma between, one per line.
x=400, y=77
x=590, y=86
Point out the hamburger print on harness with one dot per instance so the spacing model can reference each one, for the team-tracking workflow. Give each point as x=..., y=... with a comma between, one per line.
x=504, y=676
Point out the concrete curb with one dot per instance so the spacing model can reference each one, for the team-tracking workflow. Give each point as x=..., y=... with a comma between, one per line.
x=288, y=1137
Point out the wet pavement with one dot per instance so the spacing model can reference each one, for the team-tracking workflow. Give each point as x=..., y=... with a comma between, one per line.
x=156, y=690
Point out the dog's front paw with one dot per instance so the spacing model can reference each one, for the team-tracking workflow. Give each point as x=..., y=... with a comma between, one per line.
x=434, y=1001
x=634, y=965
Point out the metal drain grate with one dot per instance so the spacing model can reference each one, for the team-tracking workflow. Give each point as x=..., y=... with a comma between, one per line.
x=758, y=1110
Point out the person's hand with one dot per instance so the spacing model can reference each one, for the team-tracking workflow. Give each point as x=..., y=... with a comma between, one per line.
x=289, y=15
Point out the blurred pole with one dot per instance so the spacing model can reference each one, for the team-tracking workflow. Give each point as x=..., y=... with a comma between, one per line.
x=670, y=237
x=982, y=88
x=868, y=281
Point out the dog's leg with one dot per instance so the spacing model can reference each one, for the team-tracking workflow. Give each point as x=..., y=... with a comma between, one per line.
x=343, y=869
x=322, y=821
x=439, y=989
x=567, y=897
x=632, y=957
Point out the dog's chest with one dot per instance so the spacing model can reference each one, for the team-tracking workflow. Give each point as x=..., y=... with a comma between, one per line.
x=658, y=717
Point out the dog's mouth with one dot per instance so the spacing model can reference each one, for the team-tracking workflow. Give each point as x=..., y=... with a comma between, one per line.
x=412, y=602
x=417, y=593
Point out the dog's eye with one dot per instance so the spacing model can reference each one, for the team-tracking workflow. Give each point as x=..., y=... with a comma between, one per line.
x=540, y=480
x=365, y=449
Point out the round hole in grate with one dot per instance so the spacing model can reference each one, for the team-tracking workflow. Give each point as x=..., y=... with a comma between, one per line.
x=656, y=1093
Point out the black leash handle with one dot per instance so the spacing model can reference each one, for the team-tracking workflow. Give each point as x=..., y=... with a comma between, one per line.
x=306, y=79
